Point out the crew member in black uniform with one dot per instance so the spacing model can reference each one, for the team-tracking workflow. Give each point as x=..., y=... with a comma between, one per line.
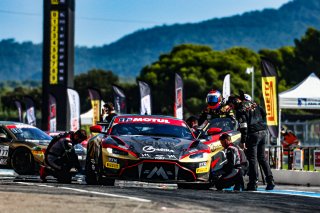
x=231, y=173
x=60, y=156
x=252, y=124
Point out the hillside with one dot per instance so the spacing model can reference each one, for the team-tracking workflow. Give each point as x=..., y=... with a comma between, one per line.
x=256, y=30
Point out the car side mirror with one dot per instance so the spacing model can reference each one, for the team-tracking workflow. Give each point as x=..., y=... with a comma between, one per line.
x=214, y=131
x=96, y=129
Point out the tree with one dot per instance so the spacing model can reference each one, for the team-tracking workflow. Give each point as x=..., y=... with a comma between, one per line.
x=98, y=79
x=201, y=69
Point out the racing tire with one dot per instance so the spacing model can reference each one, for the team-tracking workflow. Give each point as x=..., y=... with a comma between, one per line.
x=90, y=174
x=102, y=180
x=22, y=162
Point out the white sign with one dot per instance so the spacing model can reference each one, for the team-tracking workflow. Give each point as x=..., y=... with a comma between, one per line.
x=297, y=159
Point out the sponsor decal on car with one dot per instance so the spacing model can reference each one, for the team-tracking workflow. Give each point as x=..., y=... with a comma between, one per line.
x=159, y=172
x=112, y=165
x=4, y=151
x=153, y=120
x=202, y=164
x=202, y=170
x=153, y=149
x=112, y=160
x=3, y=162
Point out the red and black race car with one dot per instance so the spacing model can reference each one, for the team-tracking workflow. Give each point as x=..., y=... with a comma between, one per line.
x=152, y=149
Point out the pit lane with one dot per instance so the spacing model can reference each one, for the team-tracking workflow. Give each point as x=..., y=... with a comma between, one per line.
x=27, y=193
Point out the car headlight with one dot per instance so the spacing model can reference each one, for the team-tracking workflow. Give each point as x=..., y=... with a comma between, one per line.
x=116, y=151
x=199, y=155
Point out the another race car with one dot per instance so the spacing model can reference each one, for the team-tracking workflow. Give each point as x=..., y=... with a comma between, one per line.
x=22, y=147
x=152, y=149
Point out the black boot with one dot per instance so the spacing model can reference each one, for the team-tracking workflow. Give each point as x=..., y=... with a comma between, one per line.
x=270, y=183
x=252, y=186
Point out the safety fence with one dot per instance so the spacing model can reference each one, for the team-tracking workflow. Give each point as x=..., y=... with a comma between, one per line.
x=306, y=156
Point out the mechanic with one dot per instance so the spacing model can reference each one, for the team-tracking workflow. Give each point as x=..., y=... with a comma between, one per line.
x=60, y=156
x=108, y=112
x=192, y=122
x=231, y=173
x=289, y=142
x=214, y=108
x=252, y=123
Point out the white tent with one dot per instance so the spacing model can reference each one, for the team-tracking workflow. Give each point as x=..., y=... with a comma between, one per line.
x=87, y=118
x=305, y=95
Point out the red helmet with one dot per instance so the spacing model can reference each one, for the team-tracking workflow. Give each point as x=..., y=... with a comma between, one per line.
x=214, y=99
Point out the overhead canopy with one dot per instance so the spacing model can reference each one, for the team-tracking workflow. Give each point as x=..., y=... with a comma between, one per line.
x=305, y=95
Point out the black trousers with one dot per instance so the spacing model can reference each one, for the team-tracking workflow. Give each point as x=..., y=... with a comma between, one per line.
x=228, y=180
x=255, y=154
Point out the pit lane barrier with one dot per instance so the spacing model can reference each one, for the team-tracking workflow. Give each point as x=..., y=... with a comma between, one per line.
x=299, y=166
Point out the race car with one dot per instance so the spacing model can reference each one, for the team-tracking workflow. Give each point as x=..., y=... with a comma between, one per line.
x=22, y=147
x=152, y=149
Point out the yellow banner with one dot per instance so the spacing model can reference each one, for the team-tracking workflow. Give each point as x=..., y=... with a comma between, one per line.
x=270, y=100
x=96, y=113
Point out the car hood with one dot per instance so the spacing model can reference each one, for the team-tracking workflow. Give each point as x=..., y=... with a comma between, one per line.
x=153, y=147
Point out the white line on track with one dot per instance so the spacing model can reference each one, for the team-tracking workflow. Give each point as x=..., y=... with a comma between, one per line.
x=89, y=192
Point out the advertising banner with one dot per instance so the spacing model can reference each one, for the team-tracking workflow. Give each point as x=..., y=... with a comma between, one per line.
x=52, y=125
x=226, y=91
x=95, y=103
x=178, y=106
x=270, y=95
x=120, y=104
x=145, y=98
x=316, y=159
x=74, y=104
x=297, y=159
x=19, y=108
x=30, y=111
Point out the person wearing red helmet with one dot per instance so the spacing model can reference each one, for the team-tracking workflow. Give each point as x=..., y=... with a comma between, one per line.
x=215, y=108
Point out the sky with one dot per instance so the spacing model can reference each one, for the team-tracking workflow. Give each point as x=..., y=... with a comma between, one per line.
x=100, y=22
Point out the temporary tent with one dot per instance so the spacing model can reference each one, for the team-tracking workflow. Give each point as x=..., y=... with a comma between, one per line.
x=305, y=95
x=87, y=118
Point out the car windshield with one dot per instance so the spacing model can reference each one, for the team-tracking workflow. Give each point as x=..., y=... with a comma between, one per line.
x=161, y=130
x=226, y=124
x=30, y=134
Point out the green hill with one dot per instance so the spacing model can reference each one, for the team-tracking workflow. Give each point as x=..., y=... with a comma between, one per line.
x=256, y=30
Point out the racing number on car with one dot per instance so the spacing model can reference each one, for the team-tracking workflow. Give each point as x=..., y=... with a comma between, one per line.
x=4, y=151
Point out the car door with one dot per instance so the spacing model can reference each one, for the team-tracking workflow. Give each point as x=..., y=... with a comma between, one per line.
x=5, y=140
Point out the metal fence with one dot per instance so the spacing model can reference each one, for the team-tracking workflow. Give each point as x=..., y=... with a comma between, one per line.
x=309, y=135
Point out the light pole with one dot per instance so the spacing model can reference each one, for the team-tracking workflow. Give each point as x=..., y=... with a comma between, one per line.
x=248, y=71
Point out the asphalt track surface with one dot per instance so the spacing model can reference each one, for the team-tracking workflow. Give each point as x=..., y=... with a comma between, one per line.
x=28, y=194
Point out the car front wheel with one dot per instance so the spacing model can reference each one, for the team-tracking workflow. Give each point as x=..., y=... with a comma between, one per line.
x=22, y=162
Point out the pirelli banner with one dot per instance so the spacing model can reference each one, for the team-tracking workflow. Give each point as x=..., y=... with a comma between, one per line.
x=270, y=95
x=58, y=57
x=95, y=98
